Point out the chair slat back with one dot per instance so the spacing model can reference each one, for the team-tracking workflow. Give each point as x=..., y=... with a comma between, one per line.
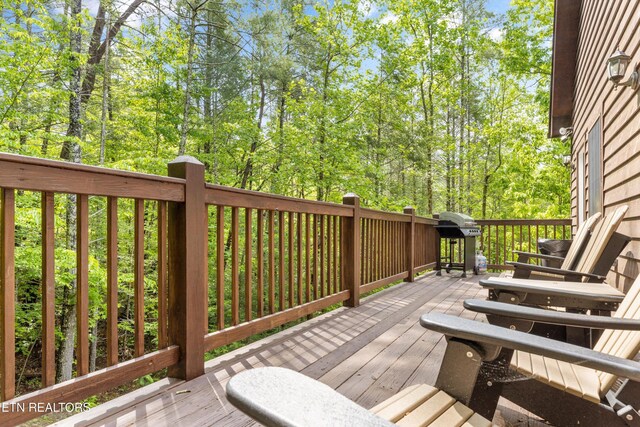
x=580, y=241
x=599, y=239
x=625, y=344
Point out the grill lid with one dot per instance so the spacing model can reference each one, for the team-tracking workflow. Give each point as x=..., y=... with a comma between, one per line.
x=459, y=219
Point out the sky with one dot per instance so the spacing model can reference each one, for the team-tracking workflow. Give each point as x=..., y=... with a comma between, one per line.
x=498, y=6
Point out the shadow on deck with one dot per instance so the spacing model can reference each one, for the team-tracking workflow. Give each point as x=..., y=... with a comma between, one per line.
x=367, y=353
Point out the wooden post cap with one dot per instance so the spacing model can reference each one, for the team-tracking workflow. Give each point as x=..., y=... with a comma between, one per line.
x=186, y=159
x=351, y=199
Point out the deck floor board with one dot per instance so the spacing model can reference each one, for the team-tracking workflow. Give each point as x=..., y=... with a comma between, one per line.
x=367, y=353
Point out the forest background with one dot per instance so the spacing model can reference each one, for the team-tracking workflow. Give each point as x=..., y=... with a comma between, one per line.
x=437, y=104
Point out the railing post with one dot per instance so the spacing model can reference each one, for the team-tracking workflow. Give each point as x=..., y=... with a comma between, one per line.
x=7, y=295
x=410, y=260
x=187, y=260
x=350, y=251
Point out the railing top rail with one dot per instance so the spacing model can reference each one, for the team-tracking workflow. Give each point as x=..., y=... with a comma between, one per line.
x=229, y=196
x=559, y=221
x=33, y=174
x=428, y=221
x=60, y=164
x=385, y=216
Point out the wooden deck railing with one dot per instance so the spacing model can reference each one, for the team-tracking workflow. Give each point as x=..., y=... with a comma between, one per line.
x=502, y=236
x=228, y=264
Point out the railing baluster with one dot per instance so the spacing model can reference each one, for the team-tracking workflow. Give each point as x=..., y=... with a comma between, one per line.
x=363, y=251
x=48, y=291
x=390, y=253
x=383, y=249
x=489, y=259
x=272, y=264
x=329, y=258
x=520, y=239
x=7, y=295
x=393, y=245
x=82, y=285
x=139, y=276
x=397, y=235
x=375, y=251
x=380, y=250
x=315, y=256
x=248, y=259
x=513, y=239
x=375, y=254
x=281, y=237
x=336, y=288
x=393, y=253
x=299, y=255
x=370, y=250
x=504, y=245
x=205, y=268
x=260, y=249
x=163, y=341
x=322, y=263
x=235, y=279
x=112, y=280
x=220, y=266
x=290, y=259
x=307, y=255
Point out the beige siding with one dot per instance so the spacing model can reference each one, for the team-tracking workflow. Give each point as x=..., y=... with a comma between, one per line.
x=605, y=25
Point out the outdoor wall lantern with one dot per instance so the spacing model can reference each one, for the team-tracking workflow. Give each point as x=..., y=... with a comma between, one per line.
x=617, y=66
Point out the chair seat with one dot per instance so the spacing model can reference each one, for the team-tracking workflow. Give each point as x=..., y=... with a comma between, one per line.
x=574, y=379
x=424, y=405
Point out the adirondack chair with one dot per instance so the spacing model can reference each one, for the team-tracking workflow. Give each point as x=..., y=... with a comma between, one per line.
x=527, y=319
x=570, y=295
x=562, y=383
x=597, y=298
x=583, y=389
x=592, y=263
x=282, y=397
x=571, y=258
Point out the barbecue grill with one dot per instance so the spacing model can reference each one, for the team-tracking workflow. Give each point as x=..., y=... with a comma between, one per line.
x=457, y=229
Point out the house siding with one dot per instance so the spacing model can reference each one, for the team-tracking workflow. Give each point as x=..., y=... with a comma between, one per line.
x=605, y=26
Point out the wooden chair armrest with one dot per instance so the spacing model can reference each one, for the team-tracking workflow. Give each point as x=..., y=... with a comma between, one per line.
x=485, y=334
x=588, y=292
x=571, y=274
x=534, y=255
x=282, y=397
x=550, y=316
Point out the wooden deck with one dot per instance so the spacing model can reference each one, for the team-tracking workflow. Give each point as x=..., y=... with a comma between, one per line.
x=367, y=353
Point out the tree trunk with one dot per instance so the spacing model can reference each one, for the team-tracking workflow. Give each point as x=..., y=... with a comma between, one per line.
x=248, y=167
x=208, y=82
x=187, y=84
x=97, y=49
x=71, y=152
x=93, y=349
x=323, y=129
x=105, y=100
